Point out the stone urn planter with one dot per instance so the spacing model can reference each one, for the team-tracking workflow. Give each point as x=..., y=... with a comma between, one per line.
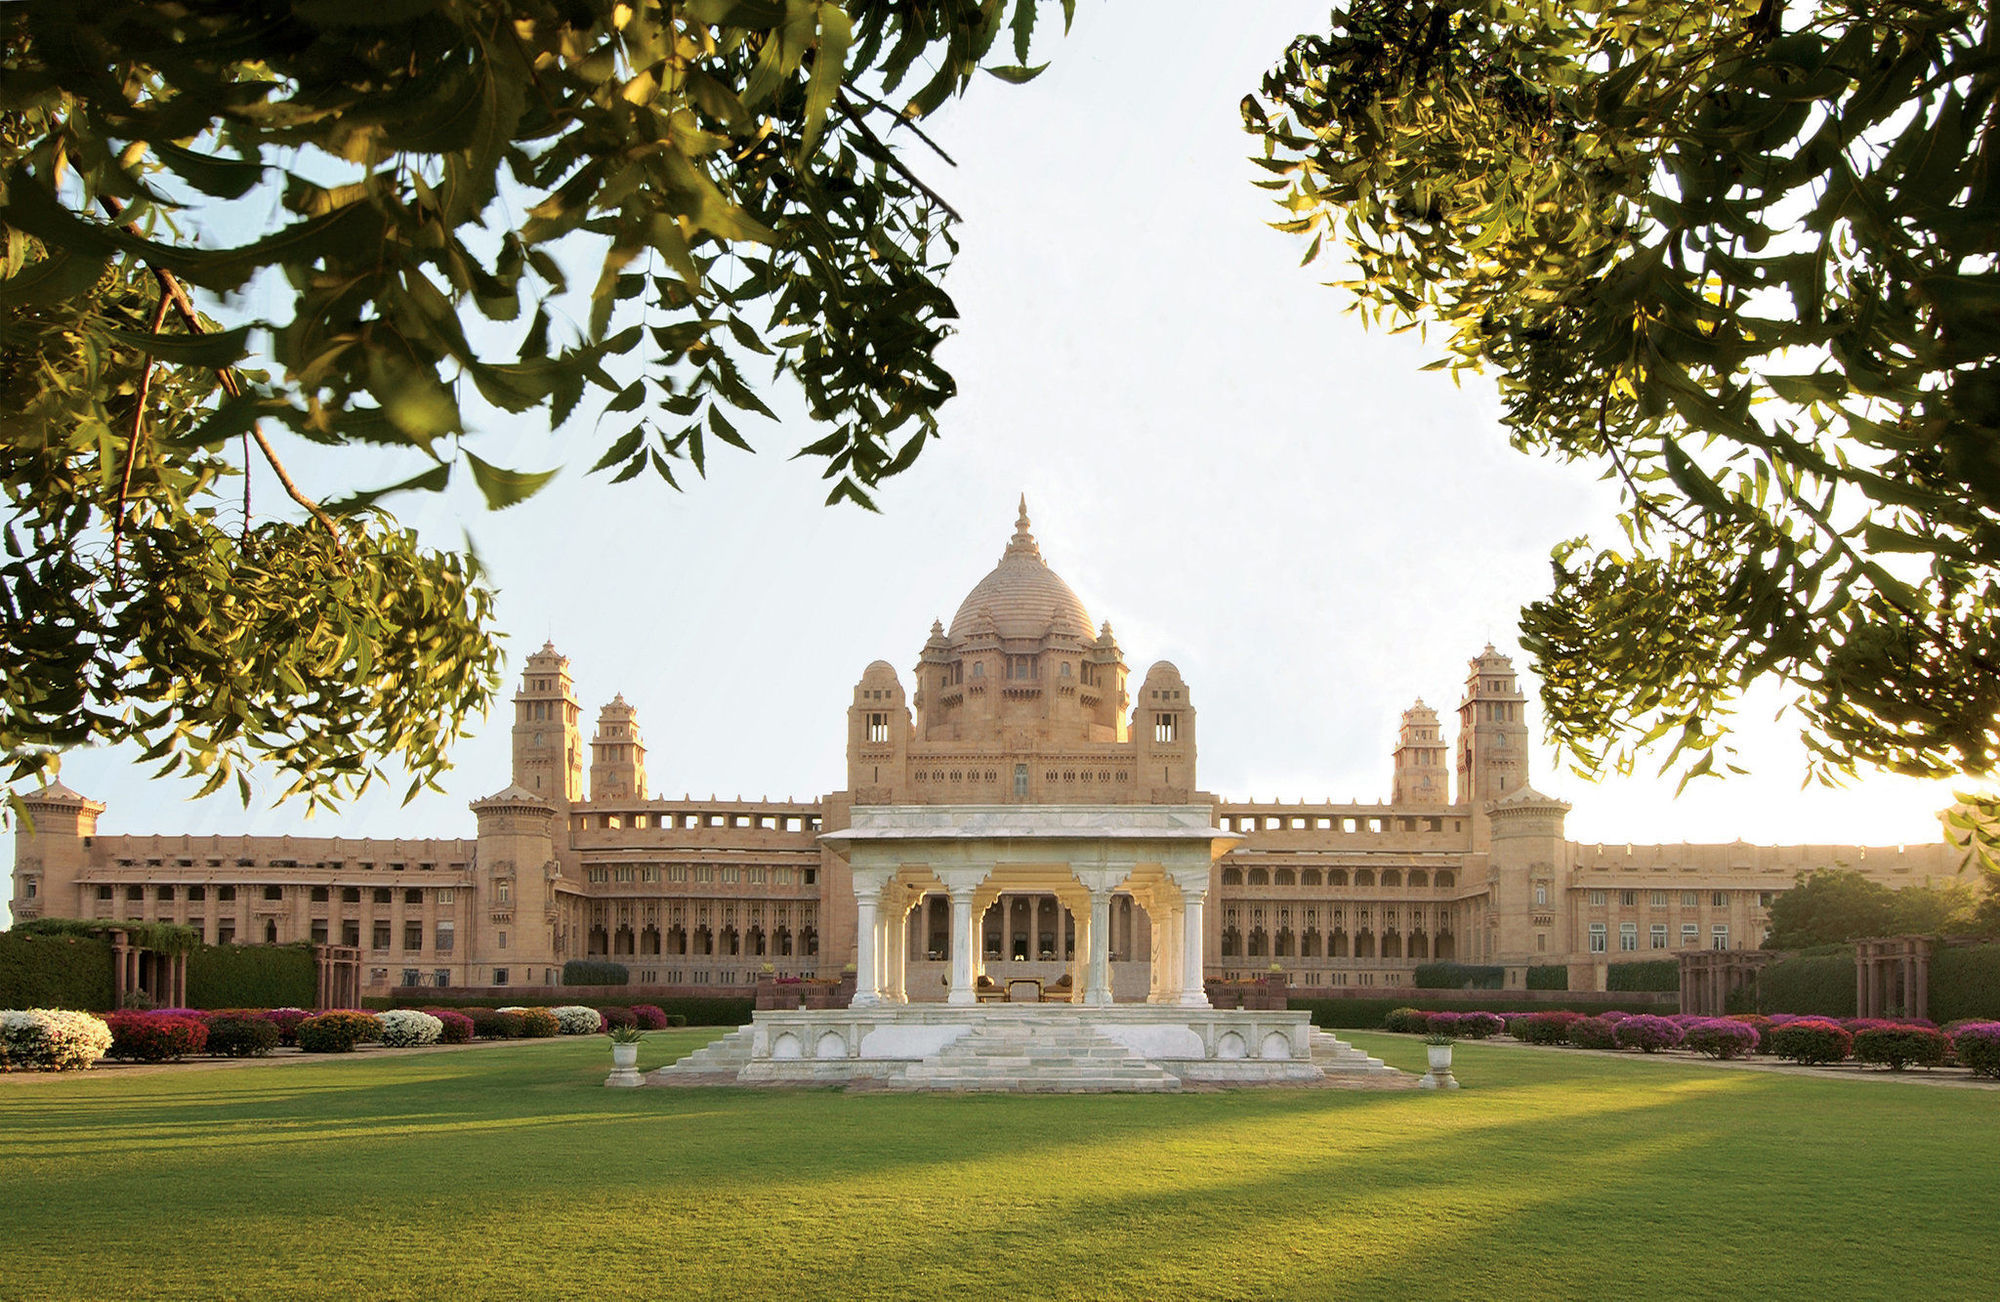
x=1438, y=1054
x=624, y=1063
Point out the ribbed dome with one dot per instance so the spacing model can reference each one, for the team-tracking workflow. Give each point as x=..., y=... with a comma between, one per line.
x=1022, y=593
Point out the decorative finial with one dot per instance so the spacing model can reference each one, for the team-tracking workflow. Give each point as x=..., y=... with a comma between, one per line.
x=1023, y=542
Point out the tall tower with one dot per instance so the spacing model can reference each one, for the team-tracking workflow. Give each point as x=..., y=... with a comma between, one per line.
x=1492, y=731
x=1423, y=772
x=548, y=731
x=51, y=849
x=617, y=755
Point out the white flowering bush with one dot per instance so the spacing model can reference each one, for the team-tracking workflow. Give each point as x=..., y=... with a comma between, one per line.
x=51, y=1039
x=404, y=1028
x=575, y=1019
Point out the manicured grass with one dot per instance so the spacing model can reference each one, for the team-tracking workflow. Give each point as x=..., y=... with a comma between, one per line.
x=509, y=1172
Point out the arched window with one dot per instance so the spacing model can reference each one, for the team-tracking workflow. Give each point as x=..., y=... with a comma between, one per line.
x=1258, y=877
x=1390, y=877
x=1309, y=877
x=1336, y=877
x=1445, y=878
x=1284, y=877
x=1418, y=877
x=1232, y=876
x=1364, y=876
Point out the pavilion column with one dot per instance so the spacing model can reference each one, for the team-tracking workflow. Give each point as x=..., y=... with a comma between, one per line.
x=963, y=942
x=867, y=935
x=1097, y=990
x=1194, y=895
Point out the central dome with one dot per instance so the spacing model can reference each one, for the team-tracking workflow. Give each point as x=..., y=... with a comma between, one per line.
x=1023, y=594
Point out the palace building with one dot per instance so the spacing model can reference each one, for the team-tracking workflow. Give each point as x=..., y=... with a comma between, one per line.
x=1021, y=701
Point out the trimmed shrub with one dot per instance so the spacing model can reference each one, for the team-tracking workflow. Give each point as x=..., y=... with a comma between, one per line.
x=1647, y=1034
x=1591, y=1033
x=241, y=1037
x=649, y=1018
x=337, y=1032
x=287, y=1021
x=595, y=972
x=51, y=1039
x=45, y=971
x=1977, y=1046
x=252, y=976
x=492, y=1024
x=1657, y=974
x=1369, y=1014
x=1810, y=1041
x=1720, y=1037
x=1549, y=976
x=1406, y=1021
x=406, y=1028
x=615, y=1017
x=1756, y=1022
x=1897, y=1047
x=541, y=1024
x=156, y=1037
x=680, y=1019
x=1458, y=976
x=1479, y=1026
x=456, y=1026
x=1818, y=985
x=576, y=1019
x=1965, y=983
x=1542, y=1028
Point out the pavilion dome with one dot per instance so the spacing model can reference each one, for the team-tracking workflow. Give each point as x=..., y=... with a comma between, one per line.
x=1022, y=594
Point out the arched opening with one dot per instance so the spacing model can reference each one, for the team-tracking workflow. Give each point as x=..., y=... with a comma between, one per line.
x=757, y=943
x=677, y=939
x=1445, y=948
x=1364, y=944
x=1446, y=878
x=1258, y=877
x=784, y=942
x=1284, y=877
x=732, y=942
x=1420, y=945
x=1336, y=877
x=624, y=942
x=809, y=942
x=1337, y=944
x=1286, y=942
x=270, y=932
x=1391, y=877
x=1232, y=942
x=1309, y=877
x=1392, y=944
x=704, y=940
x=598, y=941
x=649, y=940
x=1418, y=877
x=1260, y=943
x=1232, y=876
x=1364, y=876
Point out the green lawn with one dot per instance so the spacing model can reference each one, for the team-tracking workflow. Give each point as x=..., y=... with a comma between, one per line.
x=510, y=1172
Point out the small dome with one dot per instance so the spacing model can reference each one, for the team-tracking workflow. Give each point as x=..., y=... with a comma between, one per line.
x=1023, y=595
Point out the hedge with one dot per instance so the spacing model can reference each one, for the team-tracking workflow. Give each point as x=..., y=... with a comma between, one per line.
x=595, y=972
x=1821, y=984
x=1458, y=976
x=1551, y=976
x=1964, y=983
x=252, y=976
x=1661, y=974
x=166, y=937
x=54, y=971
x=1368, y=1014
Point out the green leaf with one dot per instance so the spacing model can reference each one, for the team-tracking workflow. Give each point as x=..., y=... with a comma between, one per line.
x=1017, y=75
x=216, y=350
x=502, y=487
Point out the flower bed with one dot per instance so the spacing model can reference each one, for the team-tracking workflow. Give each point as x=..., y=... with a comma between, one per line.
x=51, y=1039
x=156, y=1037
x=538, y=1023
x=406, y=1028
x=337, y=1032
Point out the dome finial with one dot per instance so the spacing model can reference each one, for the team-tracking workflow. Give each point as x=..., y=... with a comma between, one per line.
x=1023, y=542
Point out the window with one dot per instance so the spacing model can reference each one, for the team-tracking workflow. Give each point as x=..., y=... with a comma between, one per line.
x=1541, y=894
x=446, y=934
x=502, y=890
x=319, y=931
x=413, y=936
x=225, y=932
x=1628, y=898
x=878, y=726
x=382, y=895
x=319, y=895
x=350, y=934
x=446, y=895
x=350, y=895
x=274, y=892
x=1764, y=899
x=412, y=977
x=1166, y=728
x=441, y=978
x=165, y=895
x=413, y=896
x=1597, y=898
x=225, y=893
x=502, y=941
x=1657, y=938
x=381, y=937
x=197, y=894
x=598, y=874
x=1690, y=935
x=1719, y=937
x=1720, y=899
x=104, y=892
x=499, y=976
x=1628, y=937
x=1597, y=938
x=28, y=886
x=135, y=892
x=1020, y=778
x=1690, y=900
x=1659, y=900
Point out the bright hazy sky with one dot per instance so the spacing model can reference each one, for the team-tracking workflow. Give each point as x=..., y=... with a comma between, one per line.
x=1216, y=456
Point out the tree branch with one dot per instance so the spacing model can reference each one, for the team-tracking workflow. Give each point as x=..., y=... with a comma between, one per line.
x=901, y=121
x=132, y=443
x=888, y=155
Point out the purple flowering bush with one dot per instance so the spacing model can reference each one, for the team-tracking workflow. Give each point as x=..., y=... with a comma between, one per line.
x=1479, y=1026
x=1646, y=1033
x=1720, y=1037
x=650, y=1017
x=1977, y=1045
x=1543, y=1028
x=1592, y=1033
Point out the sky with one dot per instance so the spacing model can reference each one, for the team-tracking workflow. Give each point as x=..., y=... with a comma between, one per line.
x=1218, y=458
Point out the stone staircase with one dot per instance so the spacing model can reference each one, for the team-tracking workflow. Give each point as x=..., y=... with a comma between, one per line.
x=1035, y=1056
x=1342, y=1061
x=724, y=1056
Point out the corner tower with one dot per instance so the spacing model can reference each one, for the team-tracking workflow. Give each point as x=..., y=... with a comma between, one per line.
x=1492, y=731
x=548, y=731
x=1423, y=772
x=617, y=754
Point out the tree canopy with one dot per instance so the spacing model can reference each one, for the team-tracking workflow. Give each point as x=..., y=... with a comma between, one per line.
x=1834, y=905
x=1740, y=255
x=406, y=182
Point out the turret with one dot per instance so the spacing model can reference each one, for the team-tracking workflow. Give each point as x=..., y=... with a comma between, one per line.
x=878, y=735
x=1492, y=731
x=548, y=731
x=617, y=754
x=1163, y=749
x=1422, y=759
x=517, y=888
x=51, y=849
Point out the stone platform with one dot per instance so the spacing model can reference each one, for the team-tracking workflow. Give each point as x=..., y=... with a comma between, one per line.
x=1030, y=1048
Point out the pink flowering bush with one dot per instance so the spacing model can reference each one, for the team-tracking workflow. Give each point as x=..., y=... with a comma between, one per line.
x=287, y=1021
x=650, y=1017
x=1720, y=1037
x=1646, y=1033
x=1592, y=1033
x=1479, y=1026
x=1977, y=1046
x=1810, y=1041
x=615, y=1017
x=156, y=1037
x=456, y=1027
x=1897, y=1047
x=1543, y=1028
